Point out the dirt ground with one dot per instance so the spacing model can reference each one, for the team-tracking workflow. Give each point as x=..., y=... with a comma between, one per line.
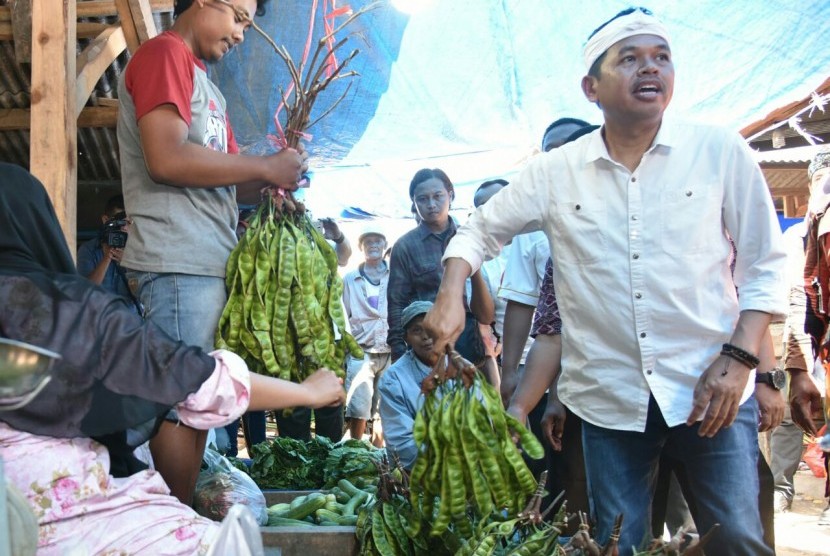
x=797, y=532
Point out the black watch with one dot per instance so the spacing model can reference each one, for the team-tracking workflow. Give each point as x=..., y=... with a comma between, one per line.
x=775, y=378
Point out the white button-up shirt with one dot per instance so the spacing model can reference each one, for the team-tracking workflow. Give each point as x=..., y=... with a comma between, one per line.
x=493, y=271
x=641, y=263
x=367, y=324
x=529, y=254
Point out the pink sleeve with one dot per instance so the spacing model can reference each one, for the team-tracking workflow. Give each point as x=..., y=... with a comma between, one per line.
x=223, y=397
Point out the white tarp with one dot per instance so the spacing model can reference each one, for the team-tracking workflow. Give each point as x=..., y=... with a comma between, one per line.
x=470, y=85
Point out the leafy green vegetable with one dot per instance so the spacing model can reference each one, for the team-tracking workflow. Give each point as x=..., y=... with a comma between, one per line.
x=352, y=459
x=289, y=464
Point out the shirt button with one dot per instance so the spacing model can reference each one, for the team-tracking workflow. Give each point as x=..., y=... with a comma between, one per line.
x=638, y=295
x=633, y=179
x=634, y=217
x=688, y=194
x=577, y=207
x=648, y=371
x=642, y=334
x=636, y=256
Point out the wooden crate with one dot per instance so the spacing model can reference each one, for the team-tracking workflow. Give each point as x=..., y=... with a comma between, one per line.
x=305, y=541
x=311, y=541
x=282, y=496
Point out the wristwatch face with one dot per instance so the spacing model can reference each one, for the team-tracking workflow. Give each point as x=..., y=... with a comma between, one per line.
x=779, y=379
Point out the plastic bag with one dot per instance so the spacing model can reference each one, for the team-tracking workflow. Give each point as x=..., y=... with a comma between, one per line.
x=220, y=485
x=814, y=456
x=239, y=535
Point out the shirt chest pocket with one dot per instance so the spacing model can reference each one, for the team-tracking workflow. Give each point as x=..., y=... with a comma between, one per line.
x=581, y=229
x=426, y=275
x=691, y=219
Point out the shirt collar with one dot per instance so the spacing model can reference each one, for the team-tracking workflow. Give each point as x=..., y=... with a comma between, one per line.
x=423, y=230
x=362, y=265
x=596, y=149
x=417, y=364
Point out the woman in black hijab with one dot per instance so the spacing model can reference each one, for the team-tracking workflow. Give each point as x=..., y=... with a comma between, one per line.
x=117, y=376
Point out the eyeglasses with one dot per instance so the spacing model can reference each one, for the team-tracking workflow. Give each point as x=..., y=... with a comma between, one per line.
x=623, y=13
x=240, y=15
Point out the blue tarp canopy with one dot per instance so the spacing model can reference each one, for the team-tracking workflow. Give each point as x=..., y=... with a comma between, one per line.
x=470, y=85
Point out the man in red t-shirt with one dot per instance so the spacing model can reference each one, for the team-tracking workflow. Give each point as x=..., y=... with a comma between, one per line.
x=182, y=176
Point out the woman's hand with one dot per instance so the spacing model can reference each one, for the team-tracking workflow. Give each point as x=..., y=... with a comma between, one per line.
x=324, y=389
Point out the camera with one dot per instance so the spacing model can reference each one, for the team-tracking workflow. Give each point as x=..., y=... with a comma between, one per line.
x=111, y=232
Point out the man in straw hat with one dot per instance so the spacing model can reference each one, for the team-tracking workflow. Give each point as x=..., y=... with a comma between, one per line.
x=660, y=342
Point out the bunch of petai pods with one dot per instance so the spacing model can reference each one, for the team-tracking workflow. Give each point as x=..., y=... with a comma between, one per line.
x=467, y=459
x=284, y=315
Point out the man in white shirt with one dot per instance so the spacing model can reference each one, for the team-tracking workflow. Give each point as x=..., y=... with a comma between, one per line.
x=522, y=280
x=364, y=297
x=657, y=347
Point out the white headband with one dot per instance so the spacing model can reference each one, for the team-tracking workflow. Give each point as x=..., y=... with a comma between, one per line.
x=635, y=23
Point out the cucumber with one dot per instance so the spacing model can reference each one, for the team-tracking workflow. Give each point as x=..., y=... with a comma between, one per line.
x=348, y=487
x=347, y=520
x=279, y=508
x=341, y=496
x=325, y=515
x=308, y=505
x=355, y=502
x=276, y=521
x=335, y=507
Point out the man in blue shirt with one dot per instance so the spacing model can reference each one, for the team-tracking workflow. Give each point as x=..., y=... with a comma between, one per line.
x=400, y=385
x=99, y=258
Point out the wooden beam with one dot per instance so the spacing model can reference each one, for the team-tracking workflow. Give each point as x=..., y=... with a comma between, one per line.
x=13, y=119
x=145, y=26
x=94, y=61
x=136, y=19
x=104, y=115
x=125, y=17
x=22, y=30
x=83, y=30
x=99, y=116
x=53, y=154
x=789, y=206
x=99, y=8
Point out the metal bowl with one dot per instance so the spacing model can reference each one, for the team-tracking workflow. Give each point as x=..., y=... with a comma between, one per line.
x=24, y=372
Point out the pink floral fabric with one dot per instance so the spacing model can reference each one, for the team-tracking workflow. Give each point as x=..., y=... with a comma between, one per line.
x=82, y=509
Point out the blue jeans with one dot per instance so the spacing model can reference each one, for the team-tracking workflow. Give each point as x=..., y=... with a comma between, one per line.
x=185, y=306
x=721, y=471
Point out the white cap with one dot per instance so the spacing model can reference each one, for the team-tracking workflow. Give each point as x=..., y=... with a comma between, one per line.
x=370, y=229
x=635, y=23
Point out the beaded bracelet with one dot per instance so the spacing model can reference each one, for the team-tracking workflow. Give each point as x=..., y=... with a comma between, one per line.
x=740, y=355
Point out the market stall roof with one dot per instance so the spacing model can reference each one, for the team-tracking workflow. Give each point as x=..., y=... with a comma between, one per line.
x=786, y=140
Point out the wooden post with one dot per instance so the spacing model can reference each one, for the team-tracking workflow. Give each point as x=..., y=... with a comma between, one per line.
x=137, y=22
x=22, y=30
x=53, y=154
